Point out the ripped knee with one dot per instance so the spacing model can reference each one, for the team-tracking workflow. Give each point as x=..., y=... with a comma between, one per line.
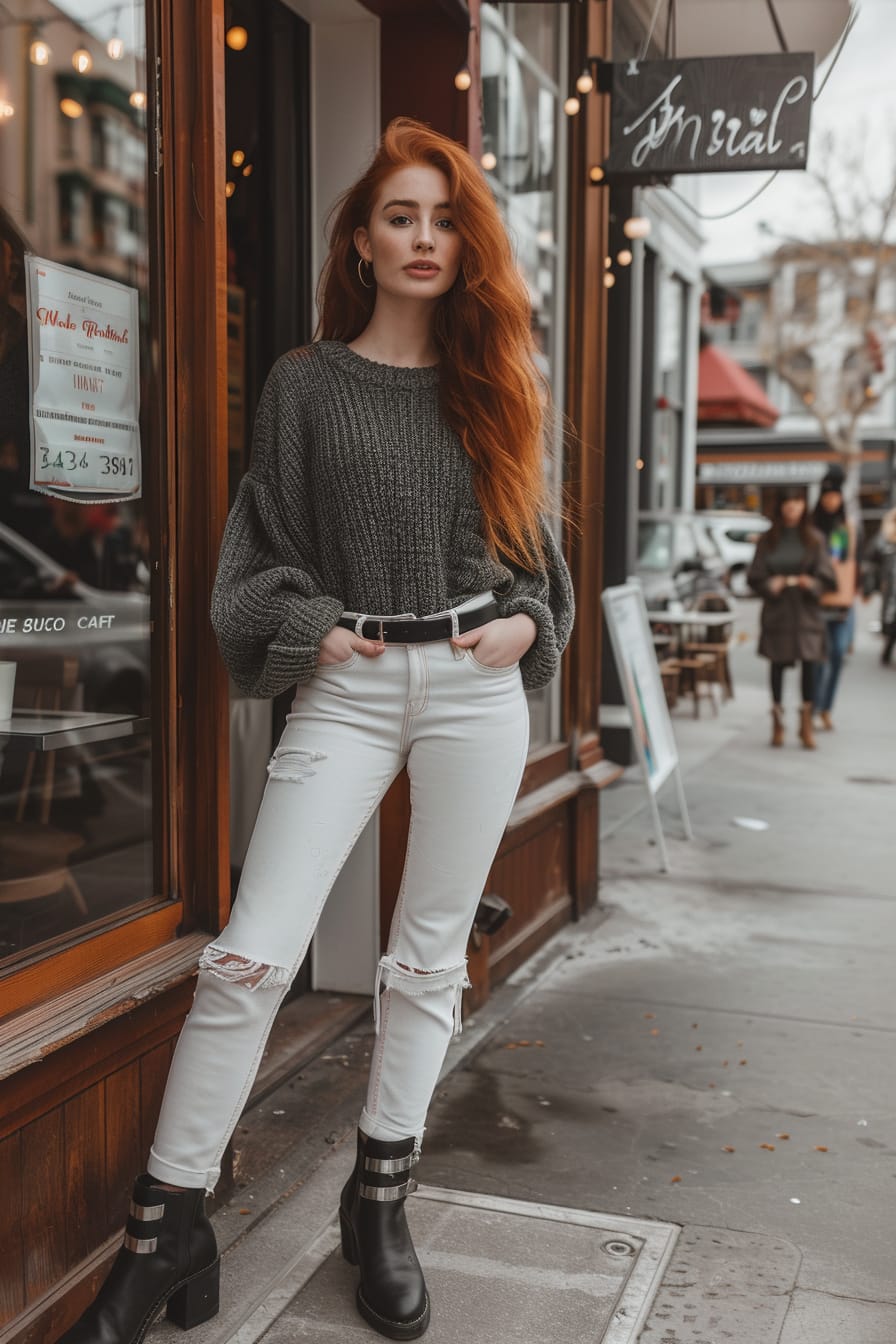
x=412, y=981
x=294, y=763
x=239, y=970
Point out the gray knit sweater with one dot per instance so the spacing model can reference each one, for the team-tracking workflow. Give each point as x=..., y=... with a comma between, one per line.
x=360, y=498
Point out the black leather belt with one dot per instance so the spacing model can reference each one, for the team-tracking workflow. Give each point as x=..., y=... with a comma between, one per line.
x=394, y=630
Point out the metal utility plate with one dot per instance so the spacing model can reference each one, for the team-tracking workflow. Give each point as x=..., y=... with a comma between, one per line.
x=499, y=1271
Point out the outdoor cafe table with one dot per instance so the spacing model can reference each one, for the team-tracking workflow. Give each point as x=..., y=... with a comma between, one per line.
x=681, y=620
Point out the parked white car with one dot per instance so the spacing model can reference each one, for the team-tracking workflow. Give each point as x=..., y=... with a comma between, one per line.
x=736, y=535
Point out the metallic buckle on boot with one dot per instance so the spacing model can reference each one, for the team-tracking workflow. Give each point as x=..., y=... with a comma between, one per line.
x=146, y=1213
x=385, y=1194
x=388, y=1166
x=140, y=1245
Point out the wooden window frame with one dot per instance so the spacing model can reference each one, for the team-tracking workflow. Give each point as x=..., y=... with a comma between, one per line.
x=185, y=423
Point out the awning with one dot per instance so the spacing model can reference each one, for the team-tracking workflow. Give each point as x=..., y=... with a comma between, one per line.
x=746, y=27
x=726, y=392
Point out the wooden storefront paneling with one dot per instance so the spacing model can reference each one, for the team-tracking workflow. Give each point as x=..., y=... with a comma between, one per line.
x=12, y=1246
x=154, y=1067
x=43, y=1236
x=66, y=1178
x=81, y=1192
x=124, y=1151
x=591, y=31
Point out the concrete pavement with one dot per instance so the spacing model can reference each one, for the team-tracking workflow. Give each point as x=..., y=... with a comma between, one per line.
x=709, y=1056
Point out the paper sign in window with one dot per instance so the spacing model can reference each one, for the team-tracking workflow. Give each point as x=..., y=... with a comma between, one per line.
x=83, y=355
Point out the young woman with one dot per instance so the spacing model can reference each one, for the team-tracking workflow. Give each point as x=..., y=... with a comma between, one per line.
x=882, y=579
x=387, y=554
x=790, y=571
x=829, y=519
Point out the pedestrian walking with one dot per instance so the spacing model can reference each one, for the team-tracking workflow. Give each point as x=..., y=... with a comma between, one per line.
x=830, y=520
x=881, y=572
x=790, y=572
x=388, y=554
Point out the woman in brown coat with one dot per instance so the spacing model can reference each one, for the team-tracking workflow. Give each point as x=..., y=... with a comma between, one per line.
x=790, y=571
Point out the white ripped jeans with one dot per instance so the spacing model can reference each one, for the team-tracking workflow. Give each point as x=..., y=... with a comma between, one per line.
x=462, y=730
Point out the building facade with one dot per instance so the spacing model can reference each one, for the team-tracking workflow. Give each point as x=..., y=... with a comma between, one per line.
x=790, y=314
x=192, y=153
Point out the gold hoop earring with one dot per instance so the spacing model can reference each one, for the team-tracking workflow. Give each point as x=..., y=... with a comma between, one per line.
x=365, y=283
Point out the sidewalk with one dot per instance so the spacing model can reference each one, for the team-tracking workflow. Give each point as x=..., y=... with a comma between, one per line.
x=697, y=1079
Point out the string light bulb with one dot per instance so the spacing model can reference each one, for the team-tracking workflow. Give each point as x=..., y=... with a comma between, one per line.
x=137, y=99
x=624, y=257
x=596, y=173
x=82, y=60
x=237, y=38
x=609, y=279
x=6, y=110
x=489, y=161
x=571, y=106
x=247, y=171
x=463, y=79
x=39, y=53
x=70, y=107
x=115, y=45
x=238, y=158
x=636, y=226
x=608, y=262
x=585, y=82
x=229, y=189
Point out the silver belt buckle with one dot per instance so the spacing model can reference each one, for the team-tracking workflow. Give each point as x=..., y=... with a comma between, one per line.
x=382, y=632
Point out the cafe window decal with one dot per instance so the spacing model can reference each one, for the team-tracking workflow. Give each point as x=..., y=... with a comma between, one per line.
x=83, y=360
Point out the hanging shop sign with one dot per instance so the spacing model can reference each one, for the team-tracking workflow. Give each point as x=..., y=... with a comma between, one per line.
x=722, y=114
x=85, y=386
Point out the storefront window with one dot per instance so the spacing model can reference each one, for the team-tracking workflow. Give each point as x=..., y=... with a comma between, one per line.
x=669, y=413
x=76, y=814
x=523, y=55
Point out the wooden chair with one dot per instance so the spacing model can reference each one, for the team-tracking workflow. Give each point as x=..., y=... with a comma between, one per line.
x=34, y=862
x=35, y=857
x=715, y=641
x=696, y=670
x=670, y=675
x=44, y=683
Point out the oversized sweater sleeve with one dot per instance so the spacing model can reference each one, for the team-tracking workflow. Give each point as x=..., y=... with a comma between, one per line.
x=269, y=609
x=547, y=596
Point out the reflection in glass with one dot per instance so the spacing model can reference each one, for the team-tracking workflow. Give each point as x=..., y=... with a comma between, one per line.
x=522, y=130
x=75, y=820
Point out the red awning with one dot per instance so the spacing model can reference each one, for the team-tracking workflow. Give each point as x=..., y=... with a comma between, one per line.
x=726, y=392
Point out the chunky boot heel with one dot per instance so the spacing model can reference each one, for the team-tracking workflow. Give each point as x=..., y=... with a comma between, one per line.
x=392, y=1294
x=196, y=1300
x=807, y=737
x=349, y=1250
x=169, y=1255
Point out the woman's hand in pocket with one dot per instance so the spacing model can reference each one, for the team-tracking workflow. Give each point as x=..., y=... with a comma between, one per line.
x=339, y=645
x=502, y=642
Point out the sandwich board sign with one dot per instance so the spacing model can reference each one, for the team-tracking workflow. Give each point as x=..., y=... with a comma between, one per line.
x=626, y=615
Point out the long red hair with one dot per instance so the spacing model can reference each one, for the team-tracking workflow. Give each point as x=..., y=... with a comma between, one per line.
x=491, y=392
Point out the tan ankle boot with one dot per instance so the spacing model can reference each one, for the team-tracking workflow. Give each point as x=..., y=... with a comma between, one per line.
x=806, y=735
x=777, y=726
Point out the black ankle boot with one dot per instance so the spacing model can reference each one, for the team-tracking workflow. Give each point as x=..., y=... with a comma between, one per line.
x=392, y=1295
x=169, y=1256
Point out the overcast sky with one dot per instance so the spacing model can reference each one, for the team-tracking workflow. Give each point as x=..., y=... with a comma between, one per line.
x=861, y=88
